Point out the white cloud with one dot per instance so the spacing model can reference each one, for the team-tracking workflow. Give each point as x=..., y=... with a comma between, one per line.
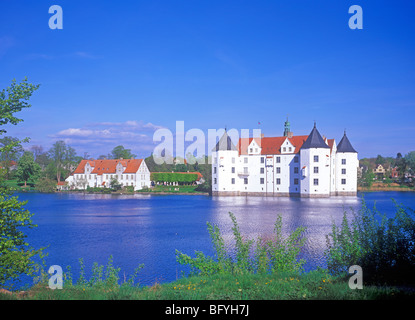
x=102, y=137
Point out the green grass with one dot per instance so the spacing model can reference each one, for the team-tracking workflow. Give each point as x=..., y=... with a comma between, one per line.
x=315, y=285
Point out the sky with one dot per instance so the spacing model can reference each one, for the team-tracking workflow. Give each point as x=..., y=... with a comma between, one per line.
x=120, y=70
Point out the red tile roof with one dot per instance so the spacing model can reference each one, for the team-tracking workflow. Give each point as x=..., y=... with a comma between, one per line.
x=271, y=145
x=109, y=166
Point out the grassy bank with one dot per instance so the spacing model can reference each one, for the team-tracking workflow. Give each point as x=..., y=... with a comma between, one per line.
x=315, y=285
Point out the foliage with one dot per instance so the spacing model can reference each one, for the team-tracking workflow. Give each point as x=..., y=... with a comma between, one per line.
x=383, y=247
x=63, y=158
x=120, y=152
x=11, y=151
x=272, y=256
x=173, y=177
x=16, y=256
x=27, y=168
x=45, y=184
x=114, y=184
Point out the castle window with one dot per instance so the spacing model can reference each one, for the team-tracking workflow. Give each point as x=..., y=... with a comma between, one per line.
x=245, y=160
x=233, y=180
x=295, y=169
x=278, y=169
x=278, y=159
x=315, y=169
x=343, y=171
x=343, y=161
x=233, y=169
x=245, y=180
x=262, y=160
x=214, y=169
x=315, y=158
x=343, y=181
x=261, y=170
x=214, y=180
x=295, y=181
x=278, y=181
x=261, y=180
x=315, y=182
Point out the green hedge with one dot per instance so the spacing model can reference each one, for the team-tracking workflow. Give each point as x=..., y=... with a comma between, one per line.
x=180, y=177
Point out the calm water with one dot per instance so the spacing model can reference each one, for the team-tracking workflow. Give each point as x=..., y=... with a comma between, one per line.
x=137, y=229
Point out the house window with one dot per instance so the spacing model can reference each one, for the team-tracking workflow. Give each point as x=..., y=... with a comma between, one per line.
x=245, y=169
x=289, y=149
x=315, y=182
x=343, y=171
x=295, y=181
x=261, y=170
x=283, y=149
x=295, y=169
x=262, y=160
x=214, y=169
x=315, y=169
x=233, y=180
x=245, y=180
x=261, y=180
x=121, y=177
x=278, y=181
x=343, y=161
x=295, y=159
x=132, y=177
x=278, y=159
x=233, y=169
x=245, y=160
x=315, y=158
x=214, y=180
x=250, y=150
x=233, y=160
x=343, y=181
x=278, y=169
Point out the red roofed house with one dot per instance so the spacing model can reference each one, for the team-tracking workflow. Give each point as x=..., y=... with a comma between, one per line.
x=98, y=173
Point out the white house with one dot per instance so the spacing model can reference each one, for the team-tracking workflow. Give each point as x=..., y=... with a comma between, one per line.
x=303, y=166
x=98, y=173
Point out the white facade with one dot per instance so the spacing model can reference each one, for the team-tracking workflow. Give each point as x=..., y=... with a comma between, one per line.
x=98, y=173
x=303, y=166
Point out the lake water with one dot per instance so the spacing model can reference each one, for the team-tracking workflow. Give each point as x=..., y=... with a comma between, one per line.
x=147, y=229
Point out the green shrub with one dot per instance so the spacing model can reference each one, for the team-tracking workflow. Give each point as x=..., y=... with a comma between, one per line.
x=383, y=247
x=272, y=256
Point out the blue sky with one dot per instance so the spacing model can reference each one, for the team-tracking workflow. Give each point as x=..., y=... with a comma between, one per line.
x=118, y=70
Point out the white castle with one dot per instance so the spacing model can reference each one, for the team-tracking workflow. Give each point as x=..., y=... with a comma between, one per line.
x=301, y=166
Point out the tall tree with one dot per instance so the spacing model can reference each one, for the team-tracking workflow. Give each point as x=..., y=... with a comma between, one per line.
x=16, y=256
x=27, y=168
x=120, y=152
x=9, y=154
x=64, y=158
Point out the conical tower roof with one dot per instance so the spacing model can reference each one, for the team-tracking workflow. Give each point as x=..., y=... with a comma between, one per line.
x=225, y=143
x=314, y=140
x=345, y=145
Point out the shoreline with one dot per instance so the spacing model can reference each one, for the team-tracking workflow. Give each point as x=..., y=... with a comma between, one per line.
x=377, y=189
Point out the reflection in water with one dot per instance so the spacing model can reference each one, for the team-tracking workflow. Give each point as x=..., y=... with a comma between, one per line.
x=137, y=229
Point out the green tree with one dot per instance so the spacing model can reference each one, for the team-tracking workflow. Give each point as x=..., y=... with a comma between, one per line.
x=27, y=168
x=16, y=256
x=64, y=159
x=12, y=151
x=410, y=160
x=45, y=184
x=120, y=152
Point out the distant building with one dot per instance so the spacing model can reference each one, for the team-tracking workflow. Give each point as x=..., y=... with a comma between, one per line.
x=303, y=166
x=379, y=172
x=98, y=173
x=394, y=173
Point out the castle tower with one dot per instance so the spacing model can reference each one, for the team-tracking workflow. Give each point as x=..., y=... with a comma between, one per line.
x=315, y=166
x=346, y=168
x=224, y=167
